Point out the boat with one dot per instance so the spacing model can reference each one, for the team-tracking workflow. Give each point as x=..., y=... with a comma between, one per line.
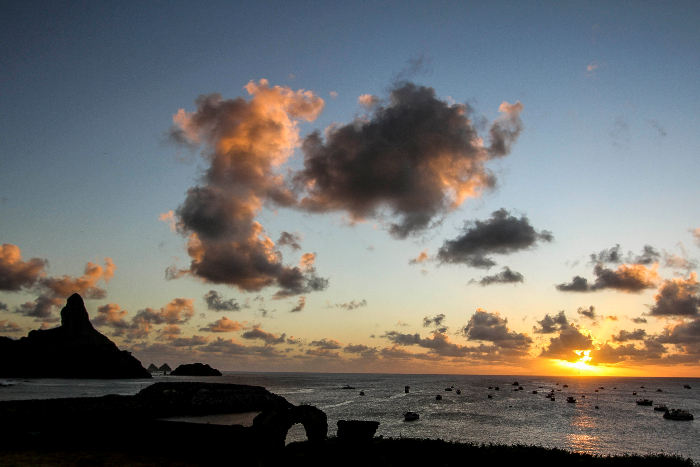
x=520, y=388
x=571, y=399
x=406, y=388
x=565, y=386
x=362, y=393
x=552, y=399
x=448, y=389
x=678, y=414
x=459, y=391
x=660, y=407
x=534, y=392
x=516, y=384
x=659, y=390
x=634, y=393
x=497, y=388
x=347, y=386
x=490, y=396
x=411, y=416
x=490, y=387
x=438, y=397
x=686, y=386
x=645, y=402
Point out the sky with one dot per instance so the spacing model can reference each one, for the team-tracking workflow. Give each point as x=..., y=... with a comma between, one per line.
x=398, y=187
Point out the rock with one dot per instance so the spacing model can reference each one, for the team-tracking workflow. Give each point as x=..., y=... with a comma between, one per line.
x=152, y=368
x=73, y=350
x=356, y=431
x=271, y=426
x=195, y=369
x=165, y=368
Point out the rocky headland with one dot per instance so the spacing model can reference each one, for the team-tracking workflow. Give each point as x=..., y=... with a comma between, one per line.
x=75, y=349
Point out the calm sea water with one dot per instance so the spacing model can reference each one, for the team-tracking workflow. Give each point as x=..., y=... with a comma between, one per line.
x=509, y=417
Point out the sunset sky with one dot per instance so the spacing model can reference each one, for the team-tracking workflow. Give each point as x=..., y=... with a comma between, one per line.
x=414, y=187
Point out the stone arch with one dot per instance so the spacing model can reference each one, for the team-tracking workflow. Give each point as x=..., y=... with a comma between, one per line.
x=271, y=426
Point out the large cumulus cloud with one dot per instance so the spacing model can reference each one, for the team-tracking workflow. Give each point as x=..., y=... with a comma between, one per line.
x=630, y=278
x=245, y=142
x=413, y=159
x=501, y=234
x=678, y=297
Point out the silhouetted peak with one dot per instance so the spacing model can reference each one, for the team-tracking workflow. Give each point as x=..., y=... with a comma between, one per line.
x=74, y=316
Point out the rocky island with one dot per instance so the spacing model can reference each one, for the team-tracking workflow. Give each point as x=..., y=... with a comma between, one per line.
x=195, y=369
x=75, y=349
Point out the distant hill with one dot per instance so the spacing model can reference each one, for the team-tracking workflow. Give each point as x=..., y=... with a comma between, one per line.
x=73, y=350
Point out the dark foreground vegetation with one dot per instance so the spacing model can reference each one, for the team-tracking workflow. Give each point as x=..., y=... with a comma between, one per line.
x=379, y=452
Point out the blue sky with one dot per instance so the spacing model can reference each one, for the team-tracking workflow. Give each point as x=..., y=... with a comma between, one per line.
x=606, y=154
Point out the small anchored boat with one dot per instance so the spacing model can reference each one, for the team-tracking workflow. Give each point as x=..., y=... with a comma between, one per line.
x=678, y=414
x=645, y=402
x=411, y=416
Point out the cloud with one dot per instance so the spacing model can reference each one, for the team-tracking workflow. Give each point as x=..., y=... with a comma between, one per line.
x=258, y=333
x=421, y=258
x=565, y=345
x=657, y=126
x=368, y=101
x=651, y=352
x=291, y=240
x=327, y=344
x=112, y=316
x=551, y=324
x=411, y=161
x=487, y=326
x=678, y=297
x=224, y=325
x=629, y=278
x=351, y=305
x=85, y=285
x=232, y=347
x=639, y=320
x=169, y=218
x=300, y=305
x=41, y=308
x=16, y=274
x=245, y=141
x=696, y=235
x=194, y=341
x=217, y=303
x=402, y=339
x=591, y=67
x=614, y=255
x=502, y=234
x=8, y=327
x=177, y=311
x=680, y=262
x=588, y=313
x=620, y=132
x=333, y=94
x=363, y=350
x=682, y=333
x=325, y=353
x=437, y=321
x=624, y=336
x=507, y=276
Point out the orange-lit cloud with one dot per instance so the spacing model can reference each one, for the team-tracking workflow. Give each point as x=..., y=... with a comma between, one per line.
x=421, y=258
x=678, y=297
x=630, y=278
x=16, y=274
x=224, y=325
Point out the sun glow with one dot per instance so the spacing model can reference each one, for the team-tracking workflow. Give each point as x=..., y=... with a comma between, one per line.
x=582, y=363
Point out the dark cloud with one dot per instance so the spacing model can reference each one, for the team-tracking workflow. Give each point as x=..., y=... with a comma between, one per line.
x=437, y=321
x=615, y=255
x=41, y=308
x=351, y=305
x=363, y=350
x=607, y=354
x=683, y=333
x=258, y=333
x=588, y=313
x=215, y=301
x=678, y=297
x=177, y=311
x=324, y=353
x=327, y=344
x=290, y=240
x=414, y=160
x=630, y=278
x=112, y=316
x=502, y=234
x=506, y=276
x=16, y=274
x=299, y=306
x=231, y=347
x=551, y=324
x=624, y=336
x=565, y=345
x=487, y=326
x=194, y=341
x=244, y=143
x=402, y=339
x=8, y=327
x=639, y=320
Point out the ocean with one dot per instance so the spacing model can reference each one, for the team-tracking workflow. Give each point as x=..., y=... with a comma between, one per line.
x=510, y=416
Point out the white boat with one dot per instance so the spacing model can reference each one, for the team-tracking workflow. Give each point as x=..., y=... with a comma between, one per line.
x=678, y=414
